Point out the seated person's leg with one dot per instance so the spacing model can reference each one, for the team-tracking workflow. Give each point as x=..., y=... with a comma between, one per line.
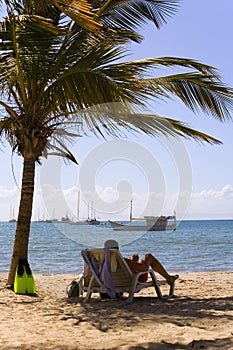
x=151, y=261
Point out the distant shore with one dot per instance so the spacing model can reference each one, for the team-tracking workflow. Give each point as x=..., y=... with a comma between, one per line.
x=199, y=316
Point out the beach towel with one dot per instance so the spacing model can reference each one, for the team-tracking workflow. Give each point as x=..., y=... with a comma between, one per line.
x=101, y=272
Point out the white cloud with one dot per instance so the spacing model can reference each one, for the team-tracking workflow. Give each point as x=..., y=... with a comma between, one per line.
x=226, y=192
x=212, y=203
x=8, y=194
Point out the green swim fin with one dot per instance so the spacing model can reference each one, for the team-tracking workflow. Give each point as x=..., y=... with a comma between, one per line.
x=20, y=279
x=30, y=282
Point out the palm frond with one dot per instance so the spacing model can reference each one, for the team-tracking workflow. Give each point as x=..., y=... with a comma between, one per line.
x=80, y=12
x=56, y=145
x=143, y=66
x=113, y=118
x=98, y=84
x=130, y=14
x=42, y=7
x=59, y=152
x=5, y=125
x=197, y=92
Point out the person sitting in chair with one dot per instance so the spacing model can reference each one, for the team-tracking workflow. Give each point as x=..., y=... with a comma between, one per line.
x=147, y=261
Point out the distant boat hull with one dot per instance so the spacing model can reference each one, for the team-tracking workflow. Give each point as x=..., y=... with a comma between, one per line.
x=87, y=222
x=94, y=222
x=79, y=223
x=152, y=224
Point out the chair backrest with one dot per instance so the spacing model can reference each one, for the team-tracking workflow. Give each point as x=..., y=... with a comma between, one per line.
x=121, y=273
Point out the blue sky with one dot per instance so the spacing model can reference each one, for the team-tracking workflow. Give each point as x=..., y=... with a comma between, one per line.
x=201, y=30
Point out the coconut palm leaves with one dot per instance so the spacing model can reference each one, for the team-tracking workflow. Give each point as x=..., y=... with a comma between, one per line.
x=131, y=14
x=59, y=71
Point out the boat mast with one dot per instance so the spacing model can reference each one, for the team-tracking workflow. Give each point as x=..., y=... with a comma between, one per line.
x=78, y=206
x=88, y=211
x=92, y=210
x=131, y=211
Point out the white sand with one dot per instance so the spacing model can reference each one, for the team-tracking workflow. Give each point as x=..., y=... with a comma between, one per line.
x=200, y=316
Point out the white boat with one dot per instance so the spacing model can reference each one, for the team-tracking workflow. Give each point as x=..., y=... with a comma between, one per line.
x=151, y=223
x=147, y=223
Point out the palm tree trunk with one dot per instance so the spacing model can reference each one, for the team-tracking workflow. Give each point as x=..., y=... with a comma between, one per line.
x=20, y=249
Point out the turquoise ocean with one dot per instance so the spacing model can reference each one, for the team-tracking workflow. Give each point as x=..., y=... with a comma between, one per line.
x=205, y=245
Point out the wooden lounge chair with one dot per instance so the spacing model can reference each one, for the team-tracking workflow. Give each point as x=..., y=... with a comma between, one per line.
x=124, y=279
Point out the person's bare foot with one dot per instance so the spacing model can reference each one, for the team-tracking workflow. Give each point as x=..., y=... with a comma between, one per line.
x=172, y=279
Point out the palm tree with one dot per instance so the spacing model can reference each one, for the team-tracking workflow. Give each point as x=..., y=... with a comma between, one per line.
x=62, y=63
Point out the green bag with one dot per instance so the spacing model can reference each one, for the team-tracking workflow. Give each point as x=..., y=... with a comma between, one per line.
x=73, y=289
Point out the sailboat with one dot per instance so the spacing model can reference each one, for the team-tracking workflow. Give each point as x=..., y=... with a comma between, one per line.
x=13, y=215
x=88, y=221
x=147, y=223
x=93, y=221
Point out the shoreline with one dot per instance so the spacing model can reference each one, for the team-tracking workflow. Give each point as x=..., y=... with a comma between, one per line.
x=199, y=316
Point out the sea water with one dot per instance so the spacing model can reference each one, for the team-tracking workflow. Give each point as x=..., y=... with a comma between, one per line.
x=205, y=245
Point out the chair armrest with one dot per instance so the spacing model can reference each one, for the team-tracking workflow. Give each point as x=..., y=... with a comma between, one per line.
x=136, y=276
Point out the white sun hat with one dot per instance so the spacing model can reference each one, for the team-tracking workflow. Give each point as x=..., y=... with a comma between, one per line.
x=111, y=244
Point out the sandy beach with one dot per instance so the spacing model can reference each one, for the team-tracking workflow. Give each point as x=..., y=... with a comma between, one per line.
x=200, y=316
